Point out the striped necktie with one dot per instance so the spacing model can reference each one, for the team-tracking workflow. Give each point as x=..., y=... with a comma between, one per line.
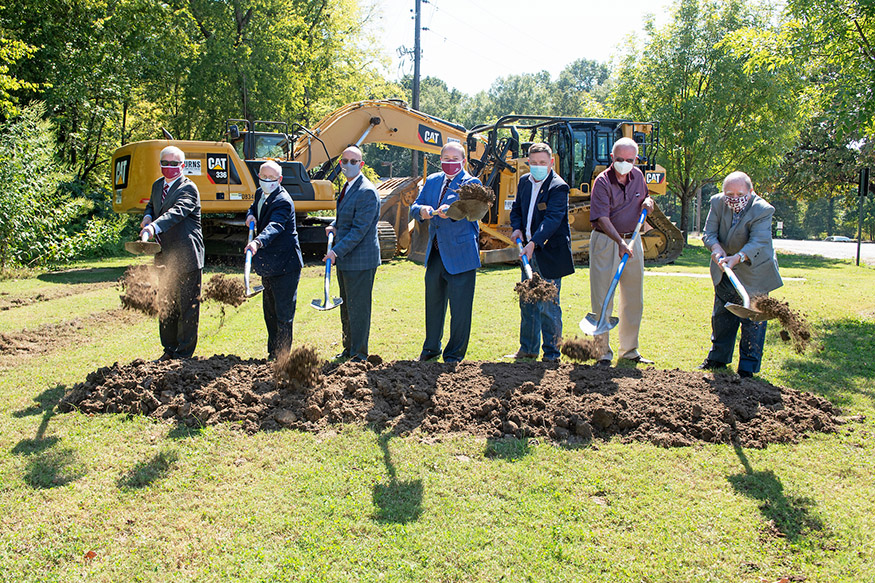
x=164, y=193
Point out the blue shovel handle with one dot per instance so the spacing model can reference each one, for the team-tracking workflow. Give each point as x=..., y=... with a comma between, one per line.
x=526, y=267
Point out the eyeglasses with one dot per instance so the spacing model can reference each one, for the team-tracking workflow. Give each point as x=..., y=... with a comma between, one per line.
x=345, y=161
x=171, y=163
x=629, y=160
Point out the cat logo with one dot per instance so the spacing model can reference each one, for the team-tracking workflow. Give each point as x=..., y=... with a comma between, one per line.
x=654, y=177
x=430, y=136
x=121, y=171
x=217, y=163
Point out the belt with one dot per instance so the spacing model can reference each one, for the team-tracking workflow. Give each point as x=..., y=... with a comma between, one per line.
x=622, y=235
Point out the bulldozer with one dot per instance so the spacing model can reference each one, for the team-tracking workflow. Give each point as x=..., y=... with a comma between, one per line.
x=225, y=173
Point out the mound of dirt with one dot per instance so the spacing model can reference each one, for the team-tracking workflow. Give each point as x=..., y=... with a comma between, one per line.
x=474, y=191
x=537, y=289
x=792, y=321
x=300, y=364
x=226, y=290
x=140, y=287
x=580, y=349
x=564, y=402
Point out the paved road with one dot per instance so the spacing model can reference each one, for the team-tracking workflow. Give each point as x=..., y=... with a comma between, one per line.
x=828, y=249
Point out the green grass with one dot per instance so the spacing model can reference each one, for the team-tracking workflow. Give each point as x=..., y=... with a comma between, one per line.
x=159, y=503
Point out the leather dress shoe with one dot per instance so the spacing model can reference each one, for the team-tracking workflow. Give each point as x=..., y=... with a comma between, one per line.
x=745, y=374
x=520, y=355
x=163, y=357
x=344, y=354
x=427, y=358
x=639, y=360
x=603, y=363
x=709, y=364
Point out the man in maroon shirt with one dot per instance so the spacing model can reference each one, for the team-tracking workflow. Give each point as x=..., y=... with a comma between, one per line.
x=618, y=195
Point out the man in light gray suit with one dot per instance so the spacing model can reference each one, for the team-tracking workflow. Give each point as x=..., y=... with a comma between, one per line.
x=356, y=253
x=738, y=231
x=173, y=217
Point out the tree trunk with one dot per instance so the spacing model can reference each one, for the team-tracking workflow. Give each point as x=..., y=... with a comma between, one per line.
x=830, y=214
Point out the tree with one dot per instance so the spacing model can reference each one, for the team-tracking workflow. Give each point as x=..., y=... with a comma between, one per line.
x=719, y=109
x=573, y=90
x=11, y=51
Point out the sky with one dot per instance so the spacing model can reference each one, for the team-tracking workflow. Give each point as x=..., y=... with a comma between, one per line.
x=470, y=43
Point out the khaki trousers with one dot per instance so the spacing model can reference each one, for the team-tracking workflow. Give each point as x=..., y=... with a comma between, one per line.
x=604, y=260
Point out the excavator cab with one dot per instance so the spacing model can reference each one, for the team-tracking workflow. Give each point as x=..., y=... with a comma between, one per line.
x=259, y=145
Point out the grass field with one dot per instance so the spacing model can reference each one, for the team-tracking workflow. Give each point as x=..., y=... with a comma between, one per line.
x=113, y=498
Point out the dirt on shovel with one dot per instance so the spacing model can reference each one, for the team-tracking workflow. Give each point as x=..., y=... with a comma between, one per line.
x=474, y=191
x=794, y=324
x=536, y=290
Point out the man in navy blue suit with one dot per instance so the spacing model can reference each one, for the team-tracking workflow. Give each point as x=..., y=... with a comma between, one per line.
x=276, y=256
x=451, y=259
x=539, y=217
x=356, y=253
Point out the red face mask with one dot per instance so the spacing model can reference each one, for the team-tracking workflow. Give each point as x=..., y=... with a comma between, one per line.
x=171, y=172
x=451, y=168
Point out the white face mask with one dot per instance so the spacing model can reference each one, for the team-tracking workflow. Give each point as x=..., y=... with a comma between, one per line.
x=351, y=170
x=268, y=186
x=623, y=168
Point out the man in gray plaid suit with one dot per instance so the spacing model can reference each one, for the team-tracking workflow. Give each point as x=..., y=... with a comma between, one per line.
x=356, y=253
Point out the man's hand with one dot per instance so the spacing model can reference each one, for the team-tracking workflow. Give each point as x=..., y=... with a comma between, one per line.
x=648, y=204
x=145, y=222
x=441, y=210
x=717, y=253
x=517, y=234
x=330, y=255
x=329, y=230
x=149, y=231
x=624, y=248
x=425, y=212
x=730, y=261
x=250, y=221
x=528, y=250
x=252, y=247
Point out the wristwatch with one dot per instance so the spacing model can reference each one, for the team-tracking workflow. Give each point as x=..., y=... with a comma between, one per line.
x=742, y=256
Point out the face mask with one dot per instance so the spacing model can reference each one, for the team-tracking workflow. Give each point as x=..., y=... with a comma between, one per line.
x=737, y=204
x=452, y=168
x=171, y=172
x=351, y=170
x=267, y=186
x=623, y=168
x=539, y=173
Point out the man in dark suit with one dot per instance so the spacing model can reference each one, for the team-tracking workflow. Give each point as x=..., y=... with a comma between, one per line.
x=451, y=258
x=276, y=256
x=738, y=231
x=356, y=253
x=539, y=216
x=173, y=217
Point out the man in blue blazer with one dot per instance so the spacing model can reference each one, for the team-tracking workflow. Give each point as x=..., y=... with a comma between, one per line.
x=276, y=256
x=356, y=253
x=539, y=216
x=173, y=217
x=451, y=259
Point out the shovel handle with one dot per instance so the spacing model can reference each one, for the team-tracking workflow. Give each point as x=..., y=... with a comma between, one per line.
x=145, y=236
x=620, y=269
x=328, y=267
x=251, y=233
x=526, y=267
x=745, y=298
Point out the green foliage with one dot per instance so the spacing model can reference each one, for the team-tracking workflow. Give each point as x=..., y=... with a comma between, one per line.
x=11, y=51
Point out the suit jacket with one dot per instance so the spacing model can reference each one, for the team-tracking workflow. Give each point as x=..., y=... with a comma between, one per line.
x=280, y=251
x=179, y=222
x=550, y=231
x=356, y=243
x=458, y=240
x=752, y=235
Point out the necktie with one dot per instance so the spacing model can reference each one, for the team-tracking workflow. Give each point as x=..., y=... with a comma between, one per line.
x=164, y=193
x=444, y=191
x=342, y=194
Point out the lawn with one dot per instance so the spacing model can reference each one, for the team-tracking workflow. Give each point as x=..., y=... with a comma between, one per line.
x=117, y=498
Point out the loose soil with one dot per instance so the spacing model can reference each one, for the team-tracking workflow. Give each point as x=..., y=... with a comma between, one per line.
x=54, y=293
x=794, y=324
x=474, y=191
x=568, y=403
x=227, y=290
x=537, y=289
x=140, y=289
x=580, y=349
x=301, y=365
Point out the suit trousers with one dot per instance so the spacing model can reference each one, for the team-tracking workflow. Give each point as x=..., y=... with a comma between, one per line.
x=179, y=312
x=443, y=288
x=724, y=327
x=604, y=260
x=541, y=321
x=356, y=289
x=278, y=303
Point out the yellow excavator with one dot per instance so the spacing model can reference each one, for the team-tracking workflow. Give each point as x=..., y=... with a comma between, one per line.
x=226, y=173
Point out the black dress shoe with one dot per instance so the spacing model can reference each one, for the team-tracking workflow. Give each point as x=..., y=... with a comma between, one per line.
x=639, y=360
x=341, y=355
x=745, y=374
x=709, y=364
x=603, y=363
x=520, y=355
x=426, y=357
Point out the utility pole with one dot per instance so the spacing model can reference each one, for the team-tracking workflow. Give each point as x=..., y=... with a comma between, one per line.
x=417, y=53
x=863, y=192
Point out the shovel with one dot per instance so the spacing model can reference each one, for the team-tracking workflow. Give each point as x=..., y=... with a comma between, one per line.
x=743, y=311
x=250, y=292
x=526, y=267
x=592, y=326
x=468, y=209
x=143, y=246
x=326, y=305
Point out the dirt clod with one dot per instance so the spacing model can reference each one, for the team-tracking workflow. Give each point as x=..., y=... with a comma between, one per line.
x=140, y=287
x=474, y=191
x=569, y=402
x=536, y=290
x=580, y=349
x=227, y=290
x=301, y=364
x=792, y=321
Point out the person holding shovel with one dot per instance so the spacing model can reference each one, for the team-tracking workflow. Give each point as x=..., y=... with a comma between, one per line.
x=451, y=257
x=738, y=231
x=276, y=256
x=173, y=218
x=356, y=253
x=618, y=196
x=539, y=217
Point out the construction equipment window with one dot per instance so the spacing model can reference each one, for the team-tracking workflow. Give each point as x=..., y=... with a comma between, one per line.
x=269, y=146
x=579, y=154
x=603, y=149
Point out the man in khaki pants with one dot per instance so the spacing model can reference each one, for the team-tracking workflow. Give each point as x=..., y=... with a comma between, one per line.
x=618, y=195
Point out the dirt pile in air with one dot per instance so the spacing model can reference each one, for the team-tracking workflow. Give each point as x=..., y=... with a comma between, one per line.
x=580, y=349
x=140, y=289
x=564, y=402
x=226, y=290
x=793, y=323
x=474, y=191
x=301, y=364
x=537, y=289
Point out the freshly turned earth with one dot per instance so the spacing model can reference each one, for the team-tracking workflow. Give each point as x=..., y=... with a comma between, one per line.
x=537, y=289
x=571, y=403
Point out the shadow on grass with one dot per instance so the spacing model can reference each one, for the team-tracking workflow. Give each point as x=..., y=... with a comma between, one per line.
x=509, y=449
x=86, y=275
x=788, y=516
x=148, y=472
x=45, y=402
x=182, y=431
x=836, y=370
x=798, y=261
x=397, y=502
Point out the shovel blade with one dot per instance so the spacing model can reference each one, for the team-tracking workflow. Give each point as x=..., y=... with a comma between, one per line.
x=142, y=247
x=323, y=306
x=251, y=293
x=748, y=313
x=591, y=325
